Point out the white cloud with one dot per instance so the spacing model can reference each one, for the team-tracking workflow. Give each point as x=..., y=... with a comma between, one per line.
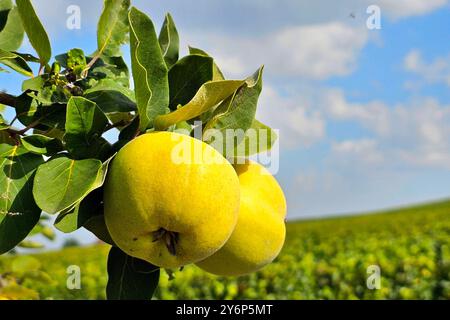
x=373, y=115
x=317, y=51
x=415, y=133
x=365, y=150
x=298, y=124
x=436, y=71
x=407, y=8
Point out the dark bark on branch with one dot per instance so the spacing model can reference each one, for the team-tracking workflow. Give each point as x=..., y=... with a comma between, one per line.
x=7, y=99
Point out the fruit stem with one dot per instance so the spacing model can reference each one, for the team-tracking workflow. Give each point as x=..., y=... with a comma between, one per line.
x=170, y=239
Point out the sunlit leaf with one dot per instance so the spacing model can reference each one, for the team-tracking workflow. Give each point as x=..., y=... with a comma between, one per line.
x=35, y=31
x=15, y=62
x=112, y=29
x=217, y=73
x=235, y=113
x=18, y=210
x=149, y=69
x=187, y=76
x=85, y=123
x=208, y=96
x=62, y=182
x=11, y=33
x=169, y=41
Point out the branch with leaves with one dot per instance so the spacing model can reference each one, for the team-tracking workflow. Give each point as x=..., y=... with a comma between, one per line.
x=57, y=161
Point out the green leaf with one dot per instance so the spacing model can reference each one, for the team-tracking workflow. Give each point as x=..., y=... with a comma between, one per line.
x=235, y=113
x=87, y=207
x=27, y=57
x=130, y=131
x=97, y=225
x=113, y=68
x=5, y=6
x=30, y=111
x=186, y=77
x=74, y=219
x=130, y=278
x=259, y=139
x=15, y=62
x=112, y=29
x=111, y=96
x=208, y=96
x=85, y=123
x=35, y=31
x=35, y=84
x=217, y=74
x=41, y=144
x=169, y=41
x=18, y=210
x=11, y=35
x=62, y=182
x=88, y=214
x=149, y=69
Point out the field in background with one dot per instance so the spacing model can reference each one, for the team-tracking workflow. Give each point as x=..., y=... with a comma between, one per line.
x=322, y=259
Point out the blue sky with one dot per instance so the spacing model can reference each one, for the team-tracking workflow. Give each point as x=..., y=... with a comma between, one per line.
x=364, y=115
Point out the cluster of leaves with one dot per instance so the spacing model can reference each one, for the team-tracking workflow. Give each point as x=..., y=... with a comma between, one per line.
x=57, y=159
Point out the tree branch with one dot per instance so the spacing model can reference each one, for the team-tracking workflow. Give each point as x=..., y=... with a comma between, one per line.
x=7, y=99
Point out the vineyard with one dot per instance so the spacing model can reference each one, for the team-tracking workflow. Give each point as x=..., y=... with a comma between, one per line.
x=322, y=259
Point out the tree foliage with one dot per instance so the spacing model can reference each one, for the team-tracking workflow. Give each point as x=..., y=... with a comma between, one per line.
x=54, y=154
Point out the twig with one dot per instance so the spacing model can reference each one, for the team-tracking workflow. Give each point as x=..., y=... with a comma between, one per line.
x=13, y=120
x=121, y=123
x=7, y=99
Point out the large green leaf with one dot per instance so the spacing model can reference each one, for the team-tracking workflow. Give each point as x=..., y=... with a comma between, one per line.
x=88, y=214
x=112, y=29
x=79, y=213
x=75, y=218
x=85, y=123
x=5, y=7
x=169, y=41
x=111, y=96
x=235, y=113
x=259, y=138
x=130, y=278
x=11, y=33
x=62, y=182
x=217, y=73
x=112, y=68
x=97, y=225
x=30, y=111
x=208, y=96
x=35, y=31
x=18, y=211
x=40, y=144
x=149, y=69
x=15, y=62
x=187, y=76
